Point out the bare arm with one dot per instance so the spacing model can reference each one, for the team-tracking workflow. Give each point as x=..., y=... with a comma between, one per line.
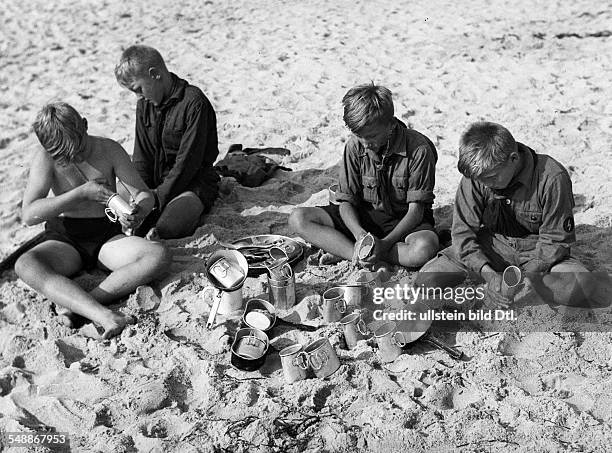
x=412, y=219
x=126, y=173
x=36, y=206
x=348, y=213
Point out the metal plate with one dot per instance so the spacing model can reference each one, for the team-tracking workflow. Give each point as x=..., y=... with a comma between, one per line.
x=258, y=258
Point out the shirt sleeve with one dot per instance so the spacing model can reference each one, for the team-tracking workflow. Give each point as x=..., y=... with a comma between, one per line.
x=190, y=155
x=467, y=215
x=421, y=175
x=557, y=231
x=349, y=185
x=142, y=161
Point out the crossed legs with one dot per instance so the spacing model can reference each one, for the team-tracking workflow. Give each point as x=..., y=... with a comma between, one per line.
x=132, y=261
x=317, y=227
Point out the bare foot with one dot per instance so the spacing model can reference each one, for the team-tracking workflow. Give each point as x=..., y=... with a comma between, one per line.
x=69, y=319
x=115, y=324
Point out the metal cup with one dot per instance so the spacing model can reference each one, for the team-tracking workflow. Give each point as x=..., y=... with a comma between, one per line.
x=390, y=341
x=322, y=358
x=229, y=301
x=259, y=314
x=294, y=362
x=249, y=349
x=228, y=297
x=354, y=329
x=333, y=304
x=117, y=207
x=282, y=288
x=511, y=281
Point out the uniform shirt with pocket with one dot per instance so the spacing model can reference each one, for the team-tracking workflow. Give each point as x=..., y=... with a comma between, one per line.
x=176, y=143
x=388, y=183
x=541, y=201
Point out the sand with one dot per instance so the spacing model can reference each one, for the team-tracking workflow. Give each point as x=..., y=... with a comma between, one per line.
x=275, y=73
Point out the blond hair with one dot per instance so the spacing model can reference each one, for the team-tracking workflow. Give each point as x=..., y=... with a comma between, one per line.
x=482, y=147
x=61, y=131
x=135, y=62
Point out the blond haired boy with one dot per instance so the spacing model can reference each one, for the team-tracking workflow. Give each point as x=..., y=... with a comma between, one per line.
x=80, y=170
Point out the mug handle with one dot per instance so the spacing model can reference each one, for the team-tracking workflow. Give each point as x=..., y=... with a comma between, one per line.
x=301, y=360
x=341, y=305
x=400, y=342
x=215, y=307
x=112, y=216
x=362, y=328
x=322, y=358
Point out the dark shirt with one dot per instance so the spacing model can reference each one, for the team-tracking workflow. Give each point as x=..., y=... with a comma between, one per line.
x=176, y=143
x=541, y=201
x=404, y=174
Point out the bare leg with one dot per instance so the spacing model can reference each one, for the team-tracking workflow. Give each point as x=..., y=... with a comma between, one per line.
x=45, y=268
x=180, y=217
x=418, y=248
x=133, y=261
x=317, y=227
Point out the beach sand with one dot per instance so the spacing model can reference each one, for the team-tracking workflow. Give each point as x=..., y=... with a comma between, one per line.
x=275, y=73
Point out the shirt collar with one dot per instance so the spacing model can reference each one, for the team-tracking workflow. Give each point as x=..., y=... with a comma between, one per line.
x=526, y=174
x=397, y=143
x=176, y=92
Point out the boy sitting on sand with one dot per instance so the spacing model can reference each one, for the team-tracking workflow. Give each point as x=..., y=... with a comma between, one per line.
x=513, y=207
x=81, y=169
x=385, y=187
x=175, y=144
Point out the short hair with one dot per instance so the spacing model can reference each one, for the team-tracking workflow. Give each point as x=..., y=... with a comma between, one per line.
x=482, y=147
x=135, y=62
x=61, y=131
x=367, y=104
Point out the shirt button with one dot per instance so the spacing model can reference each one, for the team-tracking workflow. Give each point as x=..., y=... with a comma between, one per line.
x=507, y=201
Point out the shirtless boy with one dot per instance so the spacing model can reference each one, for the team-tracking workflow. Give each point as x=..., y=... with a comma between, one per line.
x=81, y=169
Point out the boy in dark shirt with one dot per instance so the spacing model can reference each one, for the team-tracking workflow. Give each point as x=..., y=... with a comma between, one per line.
x=513, y=207
x=175, y=143
x=385, y=187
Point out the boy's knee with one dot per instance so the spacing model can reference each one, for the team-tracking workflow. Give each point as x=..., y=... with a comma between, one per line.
x=23, y=266
x=159, y=257
x=168, y=229
x=297, y=219
x=424, y=249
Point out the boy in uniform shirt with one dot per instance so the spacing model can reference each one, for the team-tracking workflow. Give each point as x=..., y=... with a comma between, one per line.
x=385, y=187
x=80, y=170
x=175, y=143
x=512, y=207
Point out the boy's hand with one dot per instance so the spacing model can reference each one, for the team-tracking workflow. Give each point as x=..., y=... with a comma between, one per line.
x=97, y=190
x=135, y=219
x=379, y=252
x=493, y=292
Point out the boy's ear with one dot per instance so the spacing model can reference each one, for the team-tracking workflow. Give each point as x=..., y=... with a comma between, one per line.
x=85, y=124
x=154, y=73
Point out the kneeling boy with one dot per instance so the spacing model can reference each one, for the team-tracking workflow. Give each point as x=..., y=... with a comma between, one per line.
x=513, y=207
x=81, y=169
x=385, y=188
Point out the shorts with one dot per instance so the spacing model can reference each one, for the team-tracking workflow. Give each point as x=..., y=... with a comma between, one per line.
x=86, y=235
x=373, y=221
